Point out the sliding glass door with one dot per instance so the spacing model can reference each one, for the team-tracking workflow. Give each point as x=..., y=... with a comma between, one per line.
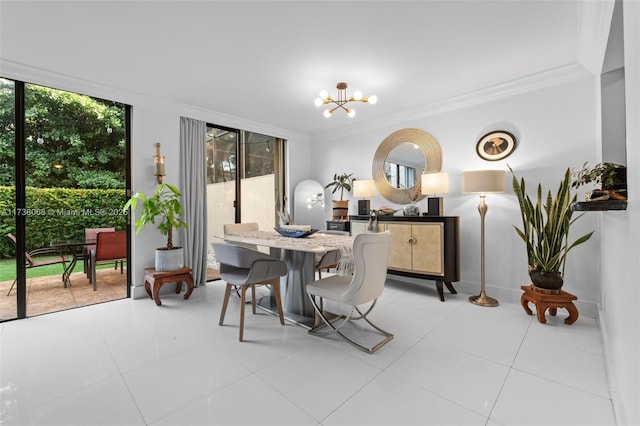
x=65, y=173
x=245, y=178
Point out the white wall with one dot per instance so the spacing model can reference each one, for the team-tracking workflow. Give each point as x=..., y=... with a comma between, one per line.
x=620, y=247
x=555, y=129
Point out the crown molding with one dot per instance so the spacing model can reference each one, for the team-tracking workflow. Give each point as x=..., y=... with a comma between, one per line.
x=594, y=26
x=526, y=84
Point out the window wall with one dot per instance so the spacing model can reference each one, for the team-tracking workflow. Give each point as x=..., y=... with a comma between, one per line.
x=245, y=178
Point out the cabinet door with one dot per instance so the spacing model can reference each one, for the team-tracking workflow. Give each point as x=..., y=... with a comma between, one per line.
x=358, y=227
x=428, y=248
x=400, y=253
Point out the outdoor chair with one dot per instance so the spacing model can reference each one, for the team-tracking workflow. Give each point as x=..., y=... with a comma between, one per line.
x=351, y=292
x=32, y=263
x=90, y=244
x=110, y=247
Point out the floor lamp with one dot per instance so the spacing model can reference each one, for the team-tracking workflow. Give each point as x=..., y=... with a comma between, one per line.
x=483, y=182
x=435, y=184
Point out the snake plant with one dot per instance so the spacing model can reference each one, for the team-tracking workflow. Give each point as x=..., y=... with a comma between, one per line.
x=545, y=225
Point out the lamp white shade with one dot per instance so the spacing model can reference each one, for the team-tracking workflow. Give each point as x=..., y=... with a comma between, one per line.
x=483, y=182
x=435, y=183
x=364, y=188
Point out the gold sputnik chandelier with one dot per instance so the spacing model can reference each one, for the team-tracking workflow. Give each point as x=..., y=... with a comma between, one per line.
x=342, y=100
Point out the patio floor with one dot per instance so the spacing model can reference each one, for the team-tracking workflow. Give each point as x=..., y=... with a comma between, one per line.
x=47, y=294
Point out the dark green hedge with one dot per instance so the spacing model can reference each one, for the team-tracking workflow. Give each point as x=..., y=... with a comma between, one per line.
x=59, y=214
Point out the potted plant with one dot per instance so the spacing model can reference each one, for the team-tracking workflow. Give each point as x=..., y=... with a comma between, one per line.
x=342, y=182
x=611, y=177
x=163, y=206
x=545, y=231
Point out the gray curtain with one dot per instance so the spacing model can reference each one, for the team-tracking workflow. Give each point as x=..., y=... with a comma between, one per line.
x=193, y=185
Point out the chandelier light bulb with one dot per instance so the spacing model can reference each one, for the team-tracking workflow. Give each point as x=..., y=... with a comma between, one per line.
x=327, y=113
x=372, y=99
x=40, y=140
x=318, y=102
x=324, y=94
x=109, y=129
x=351, y=112
x=357, y=95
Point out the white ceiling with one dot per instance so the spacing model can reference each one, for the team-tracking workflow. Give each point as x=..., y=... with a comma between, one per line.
x=265, y=61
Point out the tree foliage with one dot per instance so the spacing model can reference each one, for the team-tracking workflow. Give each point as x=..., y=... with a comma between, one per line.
x=68, y=130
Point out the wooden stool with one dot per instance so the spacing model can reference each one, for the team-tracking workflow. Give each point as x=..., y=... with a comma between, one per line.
x=549, y=300
x=154, y=280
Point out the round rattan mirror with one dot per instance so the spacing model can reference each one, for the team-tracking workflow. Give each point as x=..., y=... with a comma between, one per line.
x=432, y=161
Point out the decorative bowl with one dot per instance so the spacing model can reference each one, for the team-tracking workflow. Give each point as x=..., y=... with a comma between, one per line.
x=294, y=233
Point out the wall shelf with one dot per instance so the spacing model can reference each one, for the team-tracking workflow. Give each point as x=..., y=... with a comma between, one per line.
x=598, y=206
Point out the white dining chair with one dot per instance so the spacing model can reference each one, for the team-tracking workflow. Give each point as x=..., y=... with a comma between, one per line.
x=362, y=289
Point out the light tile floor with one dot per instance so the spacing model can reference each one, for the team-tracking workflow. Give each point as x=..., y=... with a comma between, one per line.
x=130, y=362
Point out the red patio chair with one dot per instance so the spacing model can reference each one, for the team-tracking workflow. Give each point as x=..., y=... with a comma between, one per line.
x=110, y=247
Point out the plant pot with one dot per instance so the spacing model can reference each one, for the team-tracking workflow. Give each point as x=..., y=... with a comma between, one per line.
x=340, y=209
x=547, y=280
x=169, y=259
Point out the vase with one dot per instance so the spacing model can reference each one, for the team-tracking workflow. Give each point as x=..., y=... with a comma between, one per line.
x=411, y=209
x=548, y=280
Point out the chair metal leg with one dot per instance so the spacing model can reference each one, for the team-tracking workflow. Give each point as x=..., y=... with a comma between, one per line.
x=336, y=329
x=12, y=285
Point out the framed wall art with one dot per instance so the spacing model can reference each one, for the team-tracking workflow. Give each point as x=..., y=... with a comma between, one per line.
x=496, y=145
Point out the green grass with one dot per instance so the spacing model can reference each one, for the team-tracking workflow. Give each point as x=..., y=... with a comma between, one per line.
x=8, y=269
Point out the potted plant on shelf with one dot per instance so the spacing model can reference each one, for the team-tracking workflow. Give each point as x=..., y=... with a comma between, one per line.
x=342, y=182
x=545, y=231
x=163, y=206
x=611, y=177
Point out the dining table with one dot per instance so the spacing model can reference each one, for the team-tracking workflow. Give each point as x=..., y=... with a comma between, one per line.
x=299, y=254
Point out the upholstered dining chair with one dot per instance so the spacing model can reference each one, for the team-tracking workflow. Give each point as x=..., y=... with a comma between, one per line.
x=370, y=252
x=229, y=228
x=330, y=259
x=33, y=263
x=244, y=268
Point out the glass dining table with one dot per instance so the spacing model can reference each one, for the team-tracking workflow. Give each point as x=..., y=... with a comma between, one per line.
x=300, y=256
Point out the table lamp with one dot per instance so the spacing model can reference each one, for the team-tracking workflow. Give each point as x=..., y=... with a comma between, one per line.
x=483, y=182
x=364, y=188
x=435, y=184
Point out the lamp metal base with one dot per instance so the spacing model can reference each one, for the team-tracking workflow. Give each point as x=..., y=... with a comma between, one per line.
x=483, y=300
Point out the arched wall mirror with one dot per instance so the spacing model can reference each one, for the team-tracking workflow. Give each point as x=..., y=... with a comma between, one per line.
x=400, y=161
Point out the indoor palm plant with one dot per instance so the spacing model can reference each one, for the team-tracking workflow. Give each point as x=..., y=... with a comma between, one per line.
x=163, y=210
x=545, y=231
x=342, y=182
